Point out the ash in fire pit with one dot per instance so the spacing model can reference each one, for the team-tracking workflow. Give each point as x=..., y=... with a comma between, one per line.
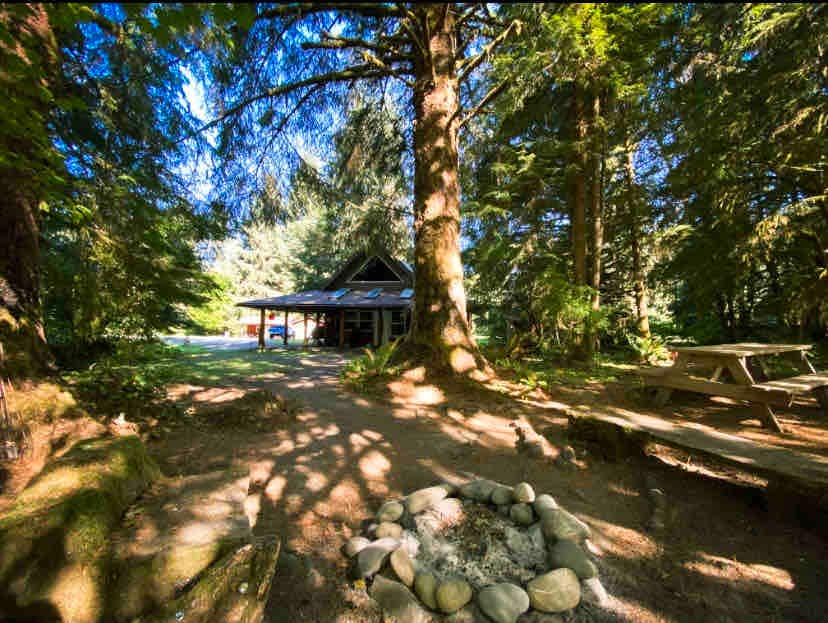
x=481, y=546
x=502, y=545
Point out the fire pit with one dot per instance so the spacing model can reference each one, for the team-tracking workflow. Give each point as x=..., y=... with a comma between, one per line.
x=506, y=548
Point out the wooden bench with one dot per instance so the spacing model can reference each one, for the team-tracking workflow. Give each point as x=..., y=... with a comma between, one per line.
x=816, y=384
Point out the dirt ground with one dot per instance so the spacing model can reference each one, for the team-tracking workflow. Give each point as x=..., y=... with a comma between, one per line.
x=720, y=557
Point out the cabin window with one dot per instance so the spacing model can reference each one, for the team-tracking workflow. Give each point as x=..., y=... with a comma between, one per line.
x=407, y=293
x=374, y=293
x=338, y=294
x=359, y=320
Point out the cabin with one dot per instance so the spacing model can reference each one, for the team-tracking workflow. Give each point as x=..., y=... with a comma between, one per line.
x=366, y=303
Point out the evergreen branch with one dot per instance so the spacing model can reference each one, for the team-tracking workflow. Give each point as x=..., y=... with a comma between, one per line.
x=335, y=42
x=345, y=75
x=490, y=95
x=468, y=65
x=365, y=9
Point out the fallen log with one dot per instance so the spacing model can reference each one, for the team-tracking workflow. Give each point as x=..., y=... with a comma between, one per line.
x=233, y=590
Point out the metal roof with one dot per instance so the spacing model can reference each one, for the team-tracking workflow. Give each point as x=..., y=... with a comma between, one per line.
x=323, y=299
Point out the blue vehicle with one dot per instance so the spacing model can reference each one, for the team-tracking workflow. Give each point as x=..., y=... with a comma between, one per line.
x=279, y=331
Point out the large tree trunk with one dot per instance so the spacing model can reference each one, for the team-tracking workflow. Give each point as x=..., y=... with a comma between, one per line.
x=578, y=198
x=639, y=281
x=596, y=207
x=23, y=348
x=440, y=328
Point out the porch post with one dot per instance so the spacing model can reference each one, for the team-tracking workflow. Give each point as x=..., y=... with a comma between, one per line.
x=261, y=329
x=341, y=328
x=381, y=329
x=306, y=328
x=285, y=333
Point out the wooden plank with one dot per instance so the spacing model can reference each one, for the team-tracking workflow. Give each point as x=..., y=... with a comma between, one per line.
x=767, y=417
x=751, y=455
x=747, y=349
x=797, y=384
x=772, y=396
x=262, y=329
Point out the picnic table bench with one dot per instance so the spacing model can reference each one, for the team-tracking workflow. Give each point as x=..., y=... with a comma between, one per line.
x=746, y=365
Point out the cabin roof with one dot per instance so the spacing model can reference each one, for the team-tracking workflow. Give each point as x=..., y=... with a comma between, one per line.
x=393, y=290
x=318, y=300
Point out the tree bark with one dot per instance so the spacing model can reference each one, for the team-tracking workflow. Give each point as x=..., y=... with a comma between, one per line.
x=578, y=198
x=440, y=329
x=639, y=281
x=23, y=348
x=597, y=205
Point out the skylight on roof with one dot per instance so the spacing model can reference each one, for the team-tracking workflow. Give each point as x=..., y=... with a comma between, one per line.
x=374, y=293
x=407, y=293
x=340, y=293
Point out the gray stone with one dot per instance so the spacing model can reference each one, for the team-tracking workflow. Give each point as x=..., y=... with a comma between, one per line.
x=398, y=602
x=389, y=530
x=556, y=591
x=355, y=545
x=390, y=511
x=593, y=592
x=503, y=603
x=560, y=524
x=425, y=585
x=502, y=495
x=521, y=514
x=544, y=503
x=566, y=553
x=468, y=614
x=453, y=594
x=478, y=490
x=535, y=533
x=372, y=557
x=403, y=566
x=422, y=499
x=539, y=617
x=524, y=493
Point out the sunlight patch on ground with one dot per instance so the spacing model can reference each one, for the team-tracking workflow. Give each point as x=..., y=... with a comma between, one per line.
x=734, y=571
x=374, y=465
x=619, y=541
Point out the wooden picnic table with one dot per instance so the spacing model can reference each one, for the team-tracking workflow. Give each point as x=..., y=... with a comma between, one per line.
x=749, y=379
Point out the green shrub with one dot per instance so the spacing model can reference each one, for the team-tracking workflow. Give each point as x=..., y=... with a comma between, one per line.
x=374, y=364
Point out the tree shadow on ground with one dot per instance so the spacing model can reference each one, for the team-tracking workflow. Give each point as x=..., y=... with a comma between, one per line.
x=315, y=477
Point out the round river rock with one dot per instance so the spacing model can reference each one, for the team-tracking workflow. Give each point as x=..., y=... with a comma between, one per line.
x=524, y=493
x=569, y=554
x=559, y=524
x=390, y=511
x=543, y=504
x=478, y=490
x=388, y=530
x=355, y=545
x=425, y=585
x=503, y=603
x=372, y=557
x=422, y=499
x=453, y=595
x=403, y=566
x=521, y=514
x=556, y=591
x=502, y=495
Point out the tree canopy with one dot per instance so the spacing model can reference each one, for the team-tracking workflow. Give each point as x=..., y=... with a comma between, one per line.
x=611, y=173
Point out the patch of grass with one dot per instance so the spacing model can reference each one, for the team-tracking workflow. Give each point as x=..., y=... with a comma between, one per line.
x=545, y=373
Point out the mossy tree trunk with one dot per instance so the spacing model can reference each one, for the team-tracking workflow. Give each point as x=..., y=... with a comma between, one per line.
x=440, y=328
x=639, y=279
x=29, y=57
